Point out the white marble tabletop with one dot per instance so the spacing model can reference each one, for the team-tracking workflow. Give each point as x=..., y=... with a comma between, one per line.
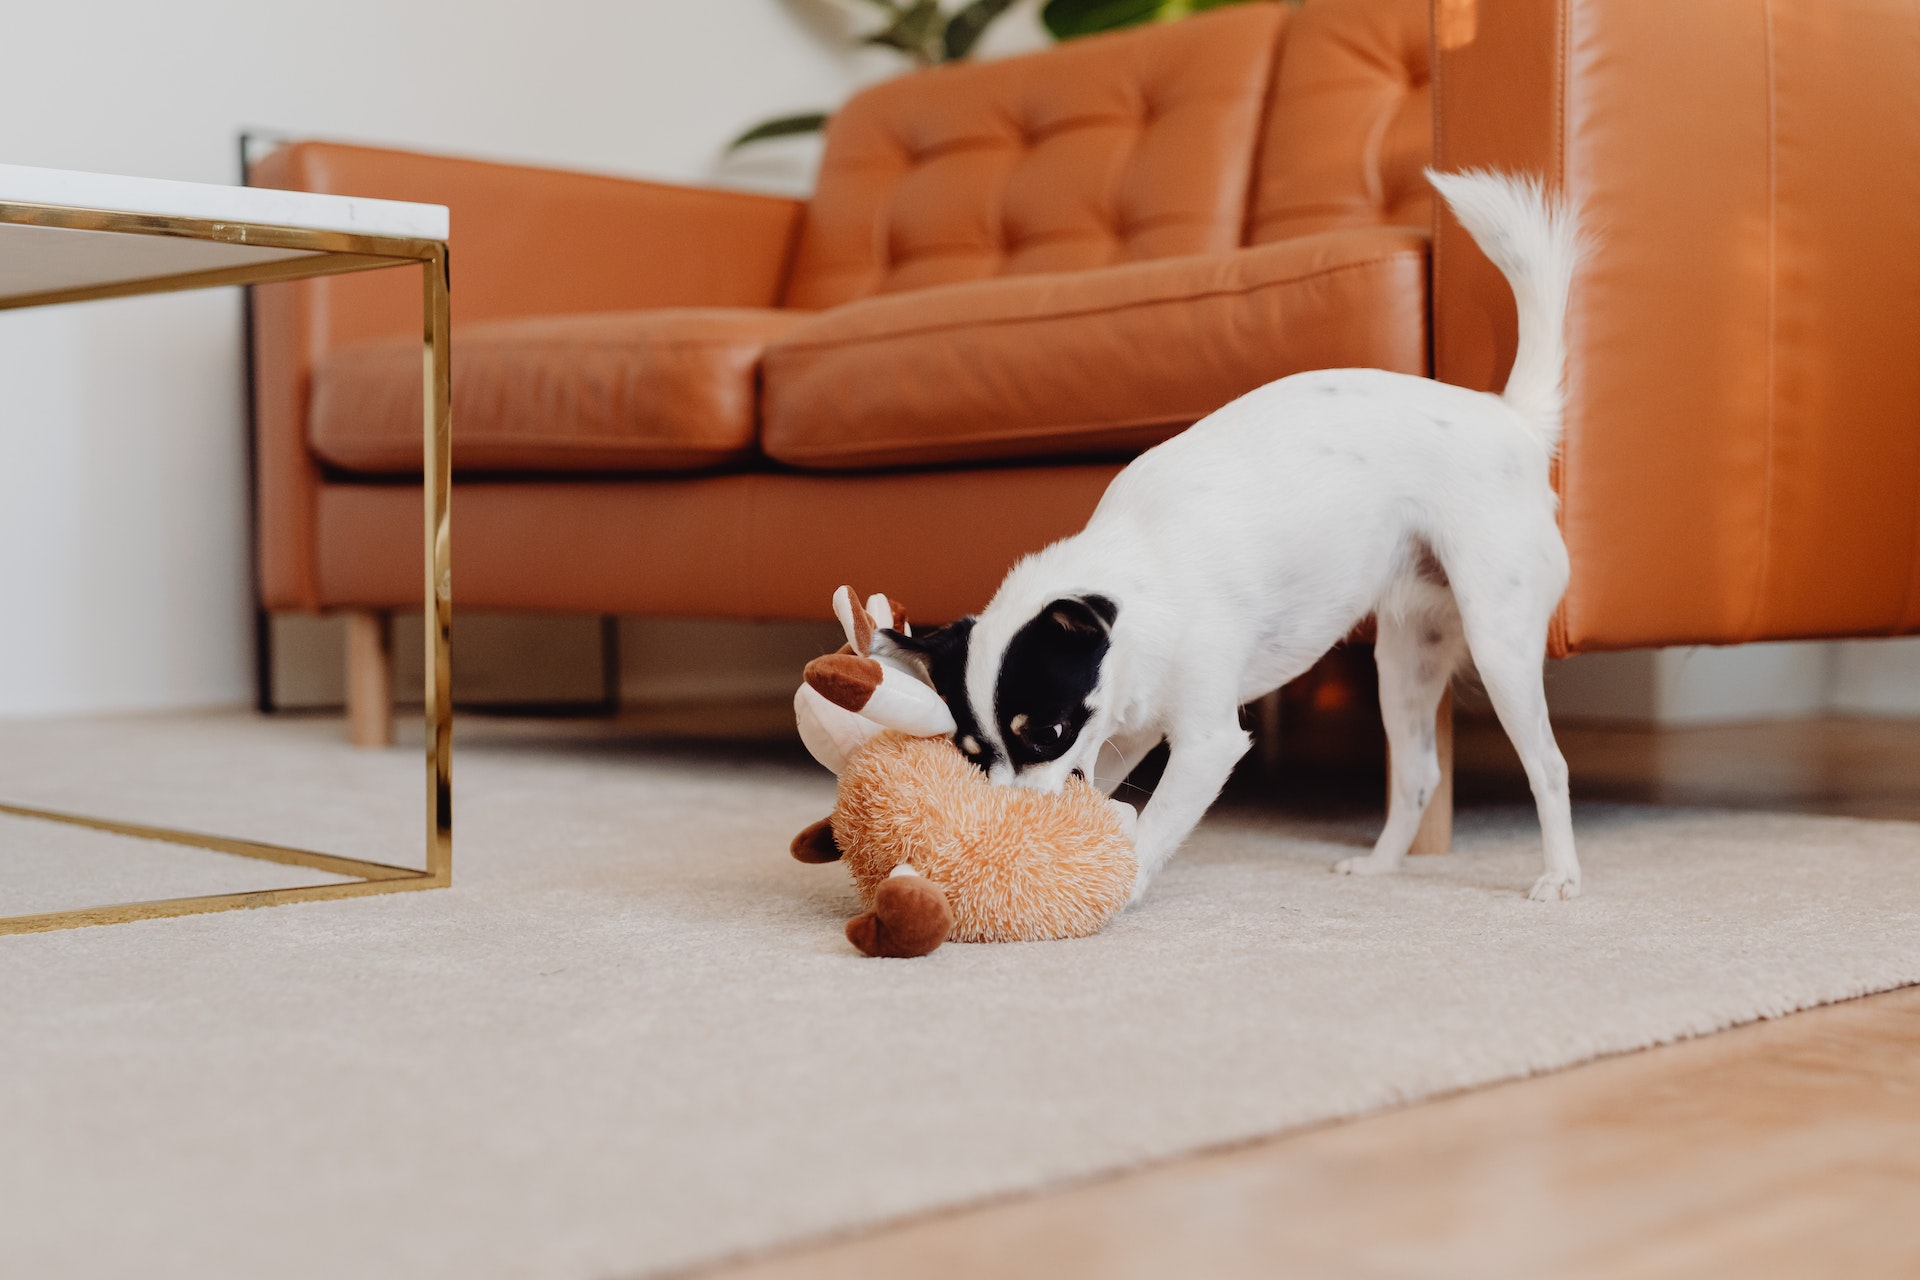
x=39, y=260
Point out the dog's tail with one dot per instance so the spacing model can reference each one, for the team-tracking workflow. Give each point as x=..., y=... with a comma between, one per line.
x=1535, y=241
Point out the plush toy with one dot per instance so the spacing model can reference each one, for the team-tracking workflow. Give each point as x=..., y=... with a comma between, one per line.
x=936, y=851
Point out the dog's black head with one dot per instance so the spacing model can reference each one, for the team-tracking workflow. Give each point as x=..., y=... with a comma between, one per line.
x=1044, y=678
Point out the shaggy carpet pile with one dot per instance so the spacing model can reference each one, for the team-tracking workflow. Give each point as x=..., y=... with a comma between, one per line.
x=632, y=1038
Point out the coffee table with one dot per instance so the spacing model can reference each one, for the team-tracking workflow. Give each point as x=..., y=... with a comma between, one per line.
x=72, y=237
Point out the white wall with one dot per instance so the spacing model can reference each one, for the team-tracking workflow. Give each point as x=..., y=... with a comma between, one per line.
x=123, y=560
x=122, y=507
x=1877, y=677
x=1743, y=682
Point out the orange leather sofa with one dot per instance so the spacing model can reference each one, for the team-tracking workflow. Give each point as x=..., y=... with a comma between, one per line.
x=1014, y=275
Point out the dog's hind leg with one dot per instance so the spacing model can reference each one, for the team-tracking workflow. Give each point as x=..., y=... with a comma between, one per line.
x=1417, y=652
x=1506, y=602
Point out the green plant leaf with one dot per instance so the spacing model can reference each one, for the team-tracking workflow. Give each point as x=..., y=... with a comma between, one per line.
x=915, y=32
x=782, y=127
x=965, y=28
x=1069, y=18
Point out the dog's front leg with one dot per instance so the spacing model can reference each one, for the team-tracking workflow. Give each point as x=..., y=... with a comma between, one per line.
x=1198, y=763
x=1120, y=756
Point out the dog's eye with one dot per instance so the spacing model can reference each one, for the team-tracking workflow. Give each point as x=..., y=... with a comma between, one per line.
x=1044, y=736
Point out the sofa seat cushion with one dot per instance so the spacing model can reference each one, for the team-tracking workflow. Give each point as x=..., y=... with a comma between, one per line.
x=669, y=390
x=1087, y=362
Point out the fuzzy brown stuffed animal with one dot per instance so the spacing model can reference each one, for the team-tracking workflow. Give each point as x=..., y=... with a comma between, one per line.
x=936, y=851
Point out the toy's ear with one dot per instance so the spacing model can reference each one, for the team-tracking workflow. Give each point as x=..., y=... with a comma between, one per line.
x=816, y=843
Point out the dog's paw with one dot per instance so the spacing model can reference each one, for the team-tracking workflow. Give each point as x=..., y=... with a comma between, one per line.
x=1372, y=864
x=1556, y=886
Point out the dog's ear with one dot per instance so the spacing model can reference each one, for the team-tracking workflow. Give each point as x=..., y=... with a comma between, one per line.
x=922, y=652
x=1091, y=617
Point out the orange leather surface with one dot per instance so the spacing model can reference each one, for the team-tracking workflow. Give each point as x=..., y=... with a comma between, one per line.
x=1087, y=361
x=533, y=242
x=669, y=390
x=1111, y=149
x=525, y=242
x=286, y=475
x=1742, y=456
x=1349, y=122
x=753, y=546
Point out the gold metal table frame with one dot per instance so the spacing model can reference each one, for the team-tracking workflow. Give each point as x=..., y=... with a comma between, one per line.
x=328, y=253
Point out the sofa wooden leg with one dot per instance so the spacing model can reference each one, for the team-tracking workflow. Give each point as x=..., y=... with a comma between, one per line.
x=1436, y=827
x=369, y=678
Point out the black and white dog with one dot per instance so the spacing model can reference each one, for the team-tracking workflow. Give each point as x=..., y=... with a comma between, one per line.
x=1225, y=562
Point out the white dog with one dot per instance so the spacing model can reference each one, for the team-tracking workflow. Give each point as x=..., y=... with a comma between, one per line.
x=1225, y=562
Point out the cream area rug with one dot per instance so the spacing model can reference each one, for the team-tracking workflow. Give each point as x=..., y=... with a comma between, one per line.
x=631, y=1039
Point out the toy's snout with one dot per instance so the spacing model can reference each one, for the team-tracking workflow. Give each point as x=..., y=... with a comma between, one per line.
x=888, y=696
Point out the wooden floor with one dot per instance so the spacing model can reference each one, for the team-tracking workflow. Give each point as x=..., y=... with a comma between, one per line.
x=1783, y=1149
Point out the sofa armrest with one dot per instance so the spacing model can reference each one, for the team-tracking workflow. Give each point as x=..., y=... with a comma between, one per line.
x=1741, y=456
x=525, y=242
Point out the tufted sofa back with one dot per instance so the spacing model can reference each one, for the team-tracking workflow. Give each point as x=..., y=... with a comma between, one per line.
x=1248, y=124
x=1113, y=149
x=1349, y=122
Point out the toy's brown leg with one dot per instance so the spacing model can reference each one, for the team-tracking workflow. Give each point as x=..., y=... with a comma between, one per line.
x=910, y=917
x=816, y=843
